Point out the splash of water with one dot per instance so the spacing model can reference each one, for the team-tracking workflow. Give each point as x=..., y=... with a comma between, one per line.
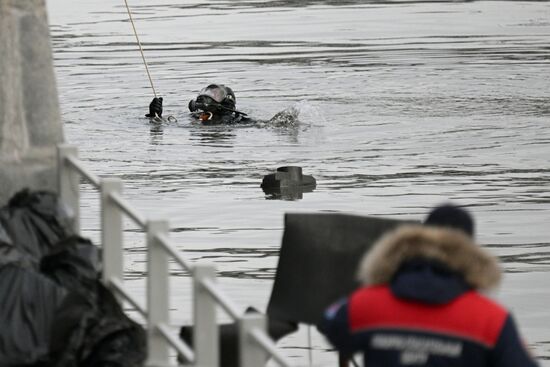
x=301, y=113
x=284, y=118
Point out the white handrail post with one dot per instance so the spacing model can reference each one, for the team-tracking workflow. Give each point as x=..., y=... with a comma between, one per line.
x=68, y=181
x=111, y=231
x=158, y=294
x=251, y=353
x=205, y=330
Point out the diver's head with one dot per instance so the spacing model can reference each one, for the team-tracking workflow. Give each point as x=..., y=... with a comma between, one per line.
x=216, y=99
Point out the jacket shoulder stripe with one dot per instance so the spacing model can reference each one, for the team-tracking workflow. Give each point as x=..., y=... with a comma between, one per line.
x=470, y=316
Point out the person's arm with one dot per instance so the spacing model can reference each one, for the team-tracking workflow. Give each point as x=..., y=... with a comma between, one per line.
x=155, y=108
x=510, y=351
x=335, y=326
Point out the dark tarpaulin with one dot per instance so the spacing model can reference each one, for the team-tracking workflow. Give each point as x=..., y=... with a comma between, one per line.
x=54, y=310
x=27, y=307
x=28, y=303
x=74, y=263
x=90, y=328
x=95, y=335
x=8, y=253
x=35, y=221
x=318, y=262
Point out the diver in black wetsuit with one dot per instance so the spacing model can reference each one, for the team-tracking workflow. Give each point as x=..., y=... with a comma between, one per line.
x=214, y=105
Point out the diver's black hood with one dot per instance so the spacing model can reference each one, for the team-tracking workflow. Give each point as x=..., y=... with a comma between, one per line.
x=215, y=99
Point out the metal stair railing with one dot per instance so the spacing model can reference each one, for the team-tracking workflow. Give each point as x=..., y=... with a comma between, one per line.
x=255, y=345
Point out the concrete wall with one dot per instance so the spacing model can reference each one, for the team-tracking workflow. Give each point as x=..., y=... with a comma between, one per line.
x=30, y=123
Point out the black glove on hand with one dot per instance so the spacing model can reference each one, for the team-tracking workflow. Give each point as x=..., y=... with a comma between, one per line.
x=155, y=108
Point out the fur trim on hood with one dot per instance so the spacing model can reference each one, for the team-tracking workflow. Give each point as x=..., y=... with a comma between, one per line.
x=450, y=247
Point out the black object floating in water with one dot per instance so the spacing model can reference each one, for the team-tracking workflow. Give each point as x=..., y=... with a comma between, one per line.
x=288, y=183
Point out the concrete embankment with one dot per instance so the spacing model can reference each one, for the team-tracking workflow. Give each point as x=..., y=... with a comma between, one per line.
x=30, y=124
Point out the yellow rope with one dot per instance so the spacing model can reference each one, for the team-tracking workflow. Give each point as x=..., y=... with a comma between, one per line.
x=140, y=48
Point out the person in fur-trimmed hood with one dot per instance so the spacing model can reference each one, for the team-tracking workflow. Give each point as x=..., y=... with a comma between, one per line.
x=422, y=302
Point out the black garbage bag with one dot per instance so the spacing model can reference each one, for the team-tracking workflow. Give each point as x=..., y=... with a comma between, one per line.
x=28, y=304
x=54, y=311
x=90, y=328
x=35, y=221
x=74, y=263
x=229, y=338
x=8, y=253
x=100, y=335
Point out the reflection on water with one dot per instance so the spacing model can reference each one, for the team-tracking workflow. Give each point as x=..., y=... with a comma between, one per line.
x=155, y=132
x=286, y=193
x=212, y=136
x=392, y=106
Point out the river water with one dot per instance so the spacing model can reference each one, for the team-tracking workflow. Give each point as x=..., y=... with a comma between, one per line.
x=402, y=105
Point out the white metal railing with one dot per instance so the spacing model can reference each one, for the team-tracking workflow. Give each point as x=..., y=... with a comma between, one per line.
x=255, y=345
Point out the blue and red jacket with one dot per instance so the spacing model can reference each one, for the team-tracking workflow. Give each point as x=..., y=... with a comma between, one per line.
x=426, y=316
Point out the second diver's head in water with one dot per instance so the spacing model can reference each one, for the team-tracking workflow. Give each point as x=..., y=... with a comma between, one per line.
x=215, y=104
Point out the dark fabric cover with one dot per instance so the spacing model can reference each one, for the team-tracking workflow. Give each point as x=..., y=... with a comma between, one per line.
x=9, y=253
x=54, y=311
x=90, y=328
x=30, y=225
x=318, y=262
x=74, y=264
x=87, y=334
x=27, y=307
x=35, y=221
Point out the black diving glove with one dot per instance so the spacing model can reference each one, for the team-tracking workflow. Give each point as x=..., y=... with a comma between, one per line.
x=155, y=108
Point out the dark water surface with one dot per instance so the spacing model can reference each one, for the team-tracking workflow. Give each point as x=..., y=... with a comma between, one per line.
x=401, y=106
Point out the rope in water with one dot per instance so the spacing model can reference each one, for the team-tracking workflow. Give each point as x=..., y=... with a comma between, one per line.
x=156, y=118
x=140, y=48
